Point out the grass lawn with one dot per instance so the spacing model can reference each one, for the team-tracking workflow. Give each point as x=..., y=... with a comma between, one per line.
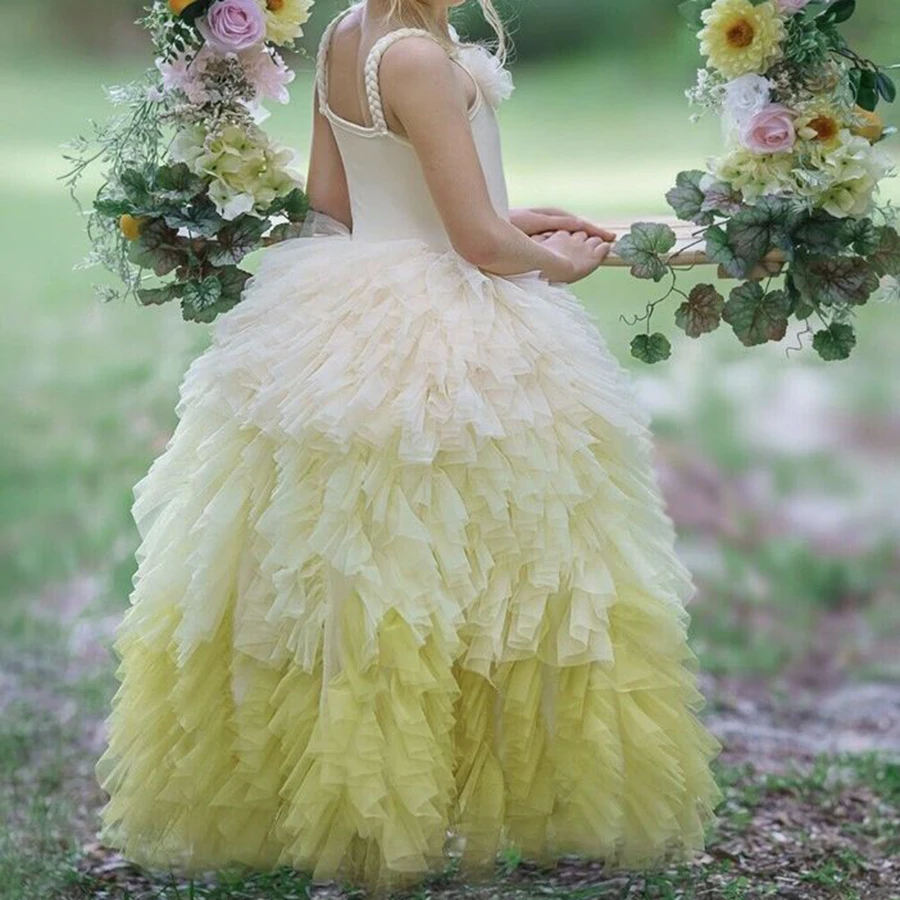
x=88, y=402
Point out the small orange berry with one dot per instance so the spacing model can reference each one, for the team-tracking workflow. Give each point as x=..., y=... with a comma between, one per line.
x=873, y=128
x=179, y=6
x=131, y=227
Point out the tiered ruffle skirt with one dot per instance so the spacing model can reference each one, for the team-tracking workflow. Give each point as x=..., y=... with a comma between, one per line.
x=405, y=573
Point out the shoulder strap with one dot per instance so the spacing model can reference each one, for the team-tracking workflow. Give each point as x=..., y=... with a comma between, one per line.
x=322, y=61
x=373, y=62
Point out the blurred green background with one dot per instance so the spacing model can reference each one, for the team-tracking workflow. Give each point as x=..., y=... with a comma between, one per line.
x=780, y=471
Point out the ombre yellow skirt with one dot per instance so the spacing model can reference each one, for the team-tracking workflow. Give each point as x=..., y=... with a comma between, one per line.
x=405, y=575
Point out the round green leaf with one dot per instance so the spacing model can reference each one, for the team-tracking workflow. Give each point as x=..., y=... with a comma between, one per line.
x=701, y=312
x=886, y=87
x=836, y=279
x=719, y=250
x=687, y=199
x=651, y=348
x=885, y=260
x=755, y=316
x=835, y=342
x=644, y=246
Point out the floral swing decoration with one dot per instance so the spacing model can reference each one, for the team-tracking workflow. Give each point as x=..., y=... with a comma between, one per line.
x=797, y=184
x=192, y=183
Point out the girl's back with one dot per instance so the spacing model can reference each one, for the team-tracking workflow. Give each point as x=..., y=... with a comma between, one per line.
x=388, y=193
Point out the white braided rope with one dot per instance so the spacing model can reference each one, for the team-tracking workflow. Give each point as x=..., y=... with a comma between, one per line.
x=322, y=60
x=373, y=90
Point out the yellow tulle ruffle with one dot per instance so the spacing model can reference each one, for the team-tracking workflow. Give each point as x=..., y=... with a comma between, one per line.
x=405, y=572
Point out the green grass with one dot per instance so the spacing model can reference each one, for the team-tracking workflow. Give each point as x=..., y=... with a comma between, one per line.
x=827, y=830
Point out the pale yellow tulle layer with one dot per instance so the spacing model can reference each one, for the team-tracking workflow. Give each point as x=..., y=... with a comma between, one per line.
x=405, y=572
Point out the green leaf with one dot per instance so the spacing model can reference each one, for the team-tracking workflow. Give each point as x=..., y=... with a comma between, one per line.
x=236, y=240
x=200, y=221
x=830, y=280
x=201, y=217
x=197, y=9
x=135, y=187
x=757, y=317
x=204, y=300
x=644, y=246
x=839, y=11
x=757, y=229
x=178, y=183
x=719, y=250
x=821, y=232
x=113, y=209
x=159, y=248
x=885, y=259
x=701, y=312
x=158, y=296
x=835, y=342
x=200, y=299
x=687, y=199
x=802, y=310
x=865, y=237
x=651, y=348
x=886, y=87
x=815, y=9
x=233, y=281
x=284, y=232
x=722, y=198
x=295, y=205
x=798, y=306
x=867, y=93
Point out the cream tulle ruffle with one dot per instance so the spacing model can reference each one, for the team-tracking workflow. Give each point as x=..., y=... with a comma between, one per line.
x=405, y=571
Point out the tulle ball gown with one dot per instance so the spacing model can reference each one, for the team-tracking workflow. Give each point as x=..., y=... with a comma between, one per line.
x=405, y=577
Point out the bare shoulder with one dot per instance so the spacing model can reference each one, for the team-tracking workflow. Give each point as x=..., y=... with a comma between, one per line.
x=415, y=68
x=349, y=24
x=345, y=36
x=415, y=56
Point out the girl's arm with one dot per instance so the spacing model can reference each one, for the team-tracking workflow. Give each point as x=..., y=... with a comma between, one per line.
x=326, y=183
x=424, y=100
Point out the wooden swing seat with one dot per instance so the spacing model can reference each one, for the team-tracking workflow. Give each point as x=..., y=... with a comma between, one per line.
x=687, y=252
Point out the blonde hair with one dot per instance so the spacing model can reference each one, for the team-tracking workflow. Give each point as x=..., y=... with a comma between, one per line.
x=417, y=13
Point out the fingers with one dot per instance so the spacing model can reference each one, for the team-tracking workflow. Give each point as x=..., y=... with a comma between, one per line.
x=575, y=224
x=599, y=247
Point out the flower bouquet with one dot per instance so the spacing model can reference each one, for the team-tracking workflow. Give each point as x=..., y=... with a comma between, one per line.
x=191, y=181
x=795, y=191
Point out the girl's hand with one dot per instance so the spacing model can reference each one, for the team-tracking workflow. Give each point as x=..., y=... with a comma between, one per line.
x=584, y=252
x=549, y=219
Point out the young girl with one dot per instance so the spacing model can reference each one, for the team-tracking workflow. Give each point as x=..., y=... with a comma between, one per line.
x=406, y=580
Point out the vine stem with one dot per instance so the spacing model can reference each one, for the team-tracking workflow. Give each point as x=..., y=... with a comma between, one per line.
x=673, y=288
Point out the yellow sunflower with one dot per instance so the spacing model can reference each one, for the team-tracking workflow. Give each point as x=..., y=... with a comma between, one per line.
x=285, y=19
x=739, y=37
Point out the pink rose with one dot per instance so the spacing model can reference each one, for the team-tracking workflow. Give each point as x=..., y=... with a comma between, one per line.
x=789, y=7
x=771, y=130
x=233, y=25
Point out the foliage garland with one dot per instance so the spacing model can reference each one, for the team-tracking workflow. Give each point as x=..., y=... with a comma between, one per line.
x=796, y=191
x=191, y=183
